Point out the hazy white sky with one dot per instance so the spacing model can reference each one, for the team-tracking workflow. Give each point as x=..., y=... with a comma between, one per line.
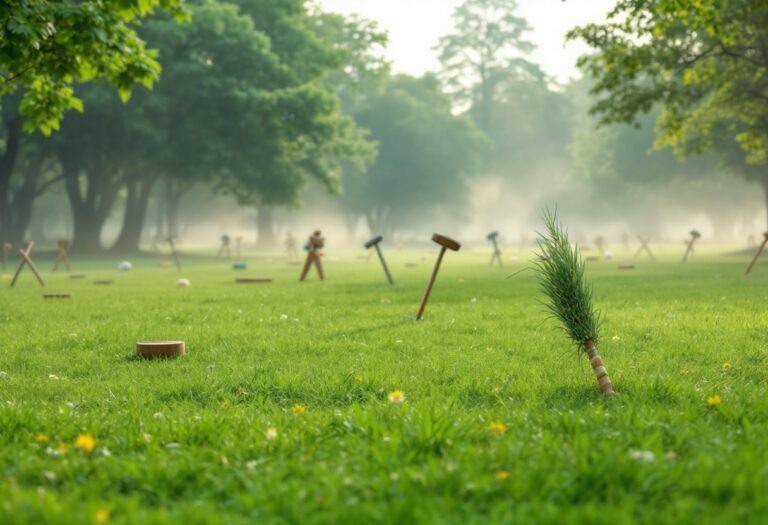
x=415, y=26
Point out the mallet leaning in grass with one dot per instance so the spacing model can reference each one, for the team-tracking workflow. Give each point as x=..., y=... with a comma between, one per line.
x=561, y=277
x=445, y=244
x=174, y=253
x=758, y=254
x=26, y=260
x=494, y=238
x=314, y=245
x=695, y=235
x=374, y=243
x=224, y=248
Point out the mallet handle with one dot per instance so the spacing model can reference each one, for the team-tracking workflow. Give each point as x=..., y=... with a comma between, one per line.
x=431, y=283
x=173, y=252
x=689, y=250
x=384, y=264
x=757, y=256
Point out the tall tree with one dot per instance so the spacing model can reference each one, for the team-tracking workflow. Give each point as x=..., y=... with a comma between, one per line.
x=426, y=157
x=48, y=45
x=486, y=50
x=706, y=65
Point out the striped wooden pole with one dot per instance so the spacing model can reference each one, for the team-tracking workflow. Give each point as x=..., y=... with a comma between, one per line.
x=599, y=368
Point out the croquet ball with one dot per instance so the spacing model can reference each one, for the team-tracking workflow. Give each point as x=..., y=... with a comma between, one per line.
x=183, y=283
x=608, y=255
x=124, y=266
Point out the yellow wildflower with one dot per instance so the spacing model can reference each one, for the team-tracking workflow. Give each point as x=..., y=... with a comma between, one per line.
x=683, y=371
x=498, y=428
x=225, y=403
x=397, y=397
x=242, y=390
x=727, y=365
x=502, y=475
x=85, y=442
x=41, y=438
x=713, y=401
x=102, y=516
x=298, y=409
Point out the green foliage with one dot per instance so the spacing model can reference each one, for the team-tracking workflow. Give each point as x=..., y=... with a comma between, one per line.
x=426, y=158
x=48, y=45
x=561, y=277
x=176, y=441
x=703, y=62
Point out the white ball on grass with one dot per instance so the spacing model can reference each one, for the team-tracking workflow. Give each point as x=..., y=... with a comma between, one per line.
x=124, y=266
x=183, y=283
x=608, y=255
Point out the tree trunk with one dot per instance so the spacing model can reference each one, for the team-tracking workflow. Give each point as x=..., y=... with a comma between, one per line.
x=7, y=165
x=265, y=227
x=89, y=211
x=20, y=208
x=136, y=203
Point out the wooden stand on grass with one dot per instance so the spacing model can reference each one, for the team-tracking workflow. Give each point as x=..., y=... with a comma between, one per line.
x=314, y=245
x=644, y=248
x=374, y=243
x=695, y=235
x=494, y=237
x=62, y=256
x=445, y=244
x=7, y=247
x=26, y=260
x=758, y=254
x=225, y=242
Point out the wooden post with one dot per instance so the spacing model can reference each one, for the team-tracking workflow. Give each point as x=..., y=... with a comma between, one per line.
x=225, y=242
x=62, y=255
x=174, y=253
x=445, y=244
x=758, y=254
x=25, y=259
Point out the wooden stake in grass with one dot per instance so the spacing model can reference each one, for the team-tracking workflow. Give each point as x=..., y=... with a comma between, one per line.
x=758, y=254
x=695, y=235
x=561, y=277
x=374, y=243
x=644, y=248
x=174, y=253
x=61, y=256
x=445, y=244
x=26, y=260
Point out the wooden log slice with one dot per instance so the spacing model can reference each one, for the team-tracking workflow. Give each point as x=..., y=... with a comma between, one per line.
x=160, y=349
x=252, y=280
x=57, y=296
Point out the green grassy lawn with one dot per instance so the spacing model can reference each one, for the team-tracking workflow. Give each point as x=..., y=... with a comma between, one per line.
x=502, y=421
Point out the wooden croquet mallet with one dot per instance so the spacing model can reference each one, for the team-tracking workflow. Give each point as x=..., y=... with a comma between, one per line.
x=644, y=247
x=25, y=259
x=694, y=236
x=62, y=256
x=314, y=245
x=445, y=244
x=494, y=238
x=374, y=243
x=174, y=253
x=7, y=247
x=758, y=254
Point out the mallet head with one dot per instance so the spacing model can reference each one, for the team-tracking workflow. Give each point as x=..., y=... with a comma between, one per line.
x=446, y=242
x=493, y=235
x=373, y=242
x=695, y=234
